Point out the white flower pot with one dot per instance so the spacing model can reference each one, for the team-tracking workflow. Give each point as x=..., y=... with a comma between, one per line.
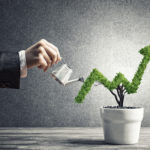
x=121, y=126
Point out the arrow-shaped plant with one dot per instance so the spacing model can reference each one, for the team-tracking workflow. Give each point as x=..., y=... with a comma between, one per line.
x=120, y=83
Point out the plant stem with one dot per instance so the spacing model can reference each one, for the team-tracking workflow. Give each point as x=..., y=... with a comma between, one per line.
x=115, y=97
x=121, y=94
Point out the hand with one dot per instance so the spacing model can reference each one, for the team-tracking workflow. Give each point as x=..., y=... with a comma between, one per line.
x=42, y=54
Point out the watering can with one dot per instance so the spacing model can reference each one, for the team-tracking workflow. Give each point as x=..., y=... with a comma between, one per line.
x=63, y=73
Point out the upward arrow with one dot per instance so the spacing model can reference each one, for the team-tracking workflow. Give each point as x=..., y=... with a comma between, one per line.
x=132, y=87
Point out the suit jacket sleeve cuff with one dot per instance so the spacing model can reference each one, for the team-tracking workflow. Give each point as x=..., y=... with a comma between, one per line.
x=23, y=64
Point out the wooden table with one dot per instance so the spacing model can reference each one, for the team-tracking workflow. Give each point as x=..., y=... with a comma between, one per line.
x=64, y=139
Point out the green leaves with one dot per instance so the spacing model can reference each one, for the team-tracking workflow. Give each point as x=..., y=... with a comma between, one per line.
x=145, y=51
x=132, y=87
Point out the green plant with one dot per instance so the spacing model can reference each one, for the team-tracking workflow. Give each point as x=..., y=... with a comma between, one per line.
x=120, y=83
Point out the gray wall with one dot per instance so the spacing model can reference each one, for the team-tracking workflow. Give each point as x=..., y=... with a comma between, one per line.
x=90, y=34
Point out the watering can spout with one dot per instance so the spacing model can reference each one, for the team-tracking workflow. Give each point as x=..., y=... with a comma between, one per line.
x=81, y=79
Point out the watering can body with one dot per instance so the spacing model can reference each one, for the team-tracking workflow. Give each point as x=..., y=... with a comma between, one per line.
x=63, y=73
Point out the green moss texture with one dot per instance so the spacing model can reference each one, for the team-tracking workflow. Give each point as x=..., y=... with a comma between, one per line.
x=132, y=87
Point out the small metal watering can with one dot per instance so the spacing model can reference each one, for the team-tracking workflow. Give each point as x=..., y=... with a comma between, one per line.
x=63, y=73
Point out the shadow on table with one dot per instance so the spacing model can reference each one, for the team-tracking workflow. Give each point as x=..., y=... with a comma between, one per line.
x=86, y=142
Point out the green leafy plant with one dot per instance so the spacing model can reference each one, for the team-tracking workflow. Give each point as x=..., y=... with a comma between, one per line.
x=119, y=83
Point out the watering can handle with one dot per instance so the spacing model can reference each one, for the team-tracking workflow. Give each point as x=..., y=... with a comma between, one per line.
x=63, y=60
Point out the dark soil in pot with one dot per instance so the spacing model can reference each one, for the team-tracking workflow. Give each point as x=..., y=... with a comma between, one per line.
x=124, y=107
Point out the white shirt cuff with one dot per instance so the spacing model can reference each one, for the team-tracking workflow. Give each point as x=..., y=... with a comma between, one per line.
x=23, y=64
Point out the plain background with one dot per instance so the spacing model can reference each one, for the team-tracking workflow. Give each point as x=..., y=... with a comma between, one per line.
x=103, y=34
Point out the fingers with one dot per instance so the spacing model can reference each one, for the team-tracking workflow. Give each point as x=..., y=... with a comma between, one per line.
x=52, y=53
x=42, y=54
x=42, y=62
x=46, y=57
x=56, y=49
x=51, y=50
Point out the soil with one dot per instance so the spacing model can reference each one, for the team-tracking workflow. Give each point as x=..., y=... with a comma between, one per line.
x=124, y=107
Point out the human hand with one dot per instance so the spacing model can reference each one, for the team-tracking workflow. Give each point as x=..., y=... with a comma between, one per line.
x=42, y=54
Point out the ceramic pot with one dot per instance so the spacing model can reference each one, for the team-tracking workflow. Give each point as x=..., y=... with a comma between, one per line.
x=121, y=125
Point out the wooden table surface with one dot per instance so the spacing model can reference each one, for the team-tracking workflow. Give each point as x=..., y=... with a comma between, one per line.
x=64, y=139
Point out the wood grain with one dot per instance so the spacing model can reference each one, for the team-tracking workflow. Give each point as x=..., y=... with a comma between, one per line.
x=64, y=139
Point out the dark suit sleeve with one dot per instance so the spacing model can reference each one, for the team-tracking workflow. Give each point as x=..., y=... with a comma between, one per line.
x=9, y=70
